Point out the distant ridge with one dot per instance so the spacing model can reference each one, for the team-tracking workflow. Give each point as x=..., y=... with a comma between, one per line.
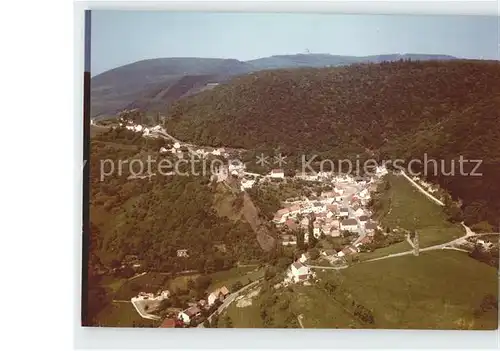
x=133, y=84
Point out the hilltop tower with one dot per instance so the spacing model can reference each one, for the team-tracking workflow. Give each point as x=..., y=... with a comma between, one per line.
x=416, y=245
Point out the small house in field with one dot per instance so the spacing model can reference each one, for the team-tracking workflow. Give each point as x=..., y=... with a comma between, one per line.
x=277, y=174
x=348, y=250
x=218, y=294
x=188, y=314
x=182, y=253
x=299, y=272
x=316, y=229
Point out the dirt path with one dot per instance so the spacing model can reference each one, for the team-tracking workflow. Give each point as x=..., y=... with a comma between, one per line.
x=422, y=190
x=299, y=319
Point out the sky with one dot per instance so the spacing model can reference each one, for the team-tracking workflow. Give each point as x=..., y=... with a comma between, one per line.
x=122, y=37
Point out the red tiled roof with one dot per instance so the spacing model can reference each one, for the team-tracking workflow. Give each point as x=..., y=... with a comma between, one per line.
x=370, y=225
x=168, y=323
x=192, y=311
x=349, y=221
x=282, y=212
x=298, y=265
x=290, y=223
x=332, y=207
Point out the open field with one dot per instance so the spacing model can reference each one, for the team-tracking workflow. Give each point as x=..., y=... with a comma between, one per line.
x=246, y=317
x=122, y=314
x=181, y=281
x=385, y=251
x=402, y=206
x=95, y=130
x=437, y=290
x=233, y=275
x=320, y=310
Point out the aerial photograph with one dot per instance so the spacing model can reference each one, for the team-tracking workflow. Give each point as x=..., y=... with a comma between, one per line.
x=291, y=170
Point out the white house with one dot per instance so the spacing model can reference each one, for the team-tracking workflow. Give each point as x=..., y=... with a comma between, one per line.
x=303, y=258
x=236, y=165
x=220, y=294
x=163, y=150
x=299, y=272
x=188, y=314
x=344, y=212
x=307, y=177
x=182, y=253
x=349, y=224
x=177, y=145
x=277, y=174
x=364, y=193
x=348, y=250
x=370, y=228
x=247, y=184
x=316, y=230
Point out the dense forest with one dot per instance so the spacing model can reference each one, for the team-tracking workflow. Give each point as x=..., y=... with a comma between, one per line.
x=383, y=111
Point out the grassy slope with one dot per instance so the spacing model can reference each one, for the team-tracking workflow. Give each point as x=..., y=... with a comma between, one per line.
x=122, y=314
x=319, y=310
x=405, y=207
x=229, y=277
x=246, y=317
x=437, y=290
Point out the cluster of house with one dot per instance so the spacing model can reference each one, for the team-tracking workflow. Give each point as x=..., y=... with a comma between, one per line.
x=308, y=206
x=323, y=213
x=212, y=151
x=333, y=213
x=182, y=253
x=163, y=295
x=146, y=131
x=194, y=311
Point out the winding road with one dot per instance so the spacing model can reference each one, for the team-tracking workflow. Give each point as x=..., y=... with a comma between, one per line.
x=229, y=300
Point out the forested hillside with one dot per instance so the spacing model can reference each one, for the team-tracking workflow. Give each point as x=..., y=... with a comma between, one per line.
x=387, y=110
x=154, y=217
x=151, y=218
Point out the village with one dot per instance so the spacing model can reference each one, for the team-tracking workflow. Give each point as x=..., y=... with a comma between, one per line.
x=339, y=211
